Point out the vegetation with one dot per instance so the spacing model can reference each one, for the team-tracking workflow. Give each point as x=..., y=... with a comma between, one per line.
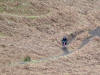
x=32, y=17
x=1, y=34
x=27, y=59
x=1, y=9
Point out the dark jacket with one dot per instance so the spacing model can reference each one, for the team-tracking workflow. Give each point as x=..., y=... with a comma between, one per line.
x=64, y=40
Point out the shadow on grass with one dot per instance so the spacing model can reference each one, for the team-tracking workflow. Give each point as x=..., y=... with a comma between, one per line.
x=65, y=50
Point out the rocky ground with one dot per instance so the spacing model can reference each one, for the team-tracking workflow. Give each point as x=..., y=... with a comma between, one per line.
x=35, y=28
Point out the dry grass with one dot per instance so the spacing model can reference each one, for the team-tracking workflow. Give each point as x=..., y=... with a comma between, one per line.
x=21, y=7
x=35, y=29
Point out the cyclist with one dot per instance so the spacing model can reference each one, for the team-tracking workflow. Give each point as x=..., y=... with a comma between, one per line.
x=64, y=41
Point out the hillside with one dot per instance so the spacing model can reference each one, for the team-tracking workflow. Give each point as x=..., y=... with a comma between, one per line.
x=35, y=28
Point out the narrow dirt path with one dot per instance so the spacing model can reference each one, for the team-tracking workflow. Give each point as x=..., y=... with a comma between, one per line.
x=93, y=33
x=66, y=51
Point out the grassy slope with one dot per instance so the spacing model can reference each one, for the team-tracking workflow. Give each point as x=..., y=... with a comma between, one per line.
x=23, y=9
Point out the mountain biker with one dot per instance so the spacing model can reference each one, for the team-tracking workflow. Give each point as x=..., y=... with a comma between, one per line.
x=64, y=41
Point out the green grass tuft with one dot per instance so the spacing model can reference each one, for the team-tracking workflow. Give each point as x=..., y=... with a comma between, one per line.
x=2, y=35
x=32, y=17
x=27, y=59
x=1, y=9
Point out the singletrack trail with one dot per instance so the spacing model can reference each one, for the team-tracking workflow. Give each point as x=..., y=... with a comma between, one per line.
x=66, y=52
x=95, y=32
x=64, y=55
